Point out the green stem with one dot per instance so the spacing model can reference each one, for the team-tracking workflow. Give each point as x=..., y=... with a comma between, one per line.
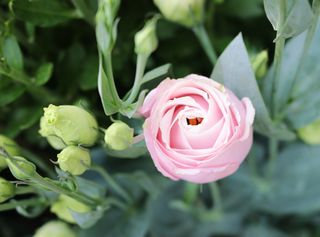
x=202, y=35
x=24, y=190
x=85, y=11
x=141, y=65
x=16, y=75
x=276, y=78
x=273, y=153
x=114, y=202
x=39, y=162
x=110, y=181
x=307, y=43
x=29, y=202
x=190, y=192
x=253, y=163
x=109, y=74
x=215, y=193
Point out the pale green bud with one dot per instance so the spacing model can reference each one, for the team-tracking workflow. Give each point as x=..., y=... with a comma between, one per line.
x=55, y=229
x=146, y=40
x=48, y=132
x=72, y=123
x=118, y=136
x=11, y=147
x=6, y=190
x=74, y=160
x=259, y=64
x=179, y=10
x=61, y=205
x=21, y=168
x=311, y=133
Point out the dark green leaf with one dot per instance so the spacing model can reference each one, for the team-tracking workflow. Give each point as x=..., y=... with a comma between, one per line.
x=234, y=71
x=89, y=75
x=11, y=93
x=43, y=13
x=87, y=219
x=44, y=73
x=12, y=52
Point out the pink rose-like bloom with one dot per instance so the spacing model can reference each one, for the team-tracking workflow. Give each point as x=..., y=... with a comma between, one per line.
x=196, y=129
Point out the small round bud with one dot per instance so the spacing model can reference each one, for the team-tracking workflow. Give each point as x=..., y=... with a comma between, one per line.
x=146, y=40
x=179, y=11
x=74, y=160
x=21, y=168
x=47, y=132
x=259, y=64
x=6, y=190
x=55, y=229
x=72, y=124
x=61, y=205
x=11, y=147
x=118, y=136
x=311, y=133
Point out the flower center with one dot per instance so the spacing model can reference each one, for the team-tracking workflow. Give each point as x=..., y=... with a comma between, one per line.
x=194, y=121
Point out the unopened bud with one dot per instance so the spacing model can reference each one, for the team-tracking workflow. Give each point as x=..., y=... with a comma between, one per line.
x=48, y=132
x=118, y=136
x=55, y=229
x=179, y=11
x=146, y=40
x=11, y=147
x=311, y=133
x=72, y=124
x=6, y=190
x=259, y=64
x=74, y=160
x=20, y=167
x=61, y=205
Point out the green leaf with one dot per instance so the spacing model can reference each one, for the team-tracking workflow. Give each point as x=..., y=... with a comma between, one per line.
x=11, y=93
x=146, y=183
x=31, y=211
x=295, y=182
x=12, y=52
x=234, y=71
x=89, y=75
x=158, y=73
x=88, y=219
x=135, y=151
x=262, y=231
x=131, y=109
x=44, y=13
x=44, y=73
x=289, y=17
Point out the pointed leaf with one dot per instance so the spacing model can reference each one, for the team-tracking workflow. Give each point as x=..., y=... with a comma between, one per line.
x=233, y=70
x=10, y=94
x=12, y=52
x=44, y=73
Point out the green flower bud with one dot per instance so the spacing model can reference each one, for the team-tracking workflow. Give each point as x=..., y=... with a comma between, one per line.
x=311, y=133
x=20, y=167
x=118, y=136
x=74, y=160
x=146, y=40
x=6, y=190
x=55, y=229
x=11, y=147
x=259, y=64
x=72, y=123
x=179, y=10
x=47, y=132
x=61, y=205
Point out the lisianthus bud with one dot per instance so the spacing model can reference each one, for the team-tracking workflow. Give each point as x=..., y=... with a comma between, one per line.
x=259, y=64
x=6, y=190
x=61, y=205
x=48, y=132
x=146, y=40
x=20, y=167
x=179, y=10
x=311, y=133
x=72, y=124
x=74, y=160
x=55, y=229
x=11, y=147
x=118, y=136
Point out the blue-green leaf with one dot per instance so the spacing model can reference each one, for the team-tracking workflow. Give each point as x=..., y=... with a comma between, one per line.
x=88, y=219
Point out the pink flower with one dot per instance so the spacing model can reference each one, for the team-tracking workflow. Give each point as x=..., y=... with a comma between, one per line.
x=196, y=129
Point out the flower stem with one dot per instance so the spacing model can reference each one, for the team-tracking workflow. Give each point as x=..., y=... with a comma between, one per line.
x=141, y=65
x=215, y=193
x=28, y=202
x=202, y=35
x=190, y=192
x=84, y=10
x=110, y=181
x=273, y=152
x=114, y=202
x=25, y=190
